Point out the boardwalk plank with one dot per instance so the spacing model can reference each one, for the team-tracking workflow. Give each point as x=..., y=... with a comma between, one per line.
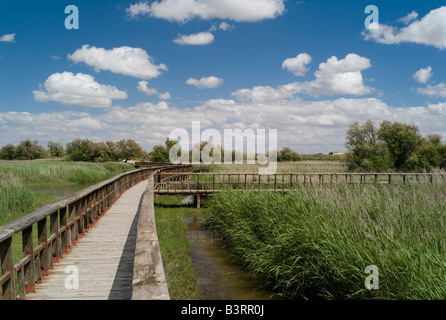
x=103, y=257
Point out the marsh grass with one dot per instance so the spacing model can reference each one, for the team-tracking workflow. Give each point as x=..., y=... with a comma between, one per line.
x=175, y=248
x=316, y=242
x=60, y=172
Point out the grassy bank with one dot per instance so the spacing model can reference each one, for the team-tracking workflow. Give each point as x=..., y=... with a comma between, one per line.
x=316, y=242
x=175, y=248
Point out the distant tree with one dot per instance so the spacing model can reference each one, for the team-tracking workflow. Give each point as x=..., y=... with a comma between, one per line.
x=287, y=154
x=8, y=152
x=393, y=146
x=402, y=141
x=128, y=149
x=366, y=150
x=160, y=153
x=80, y=150
x=56, y=149
x=112, y=151
x=30, y=150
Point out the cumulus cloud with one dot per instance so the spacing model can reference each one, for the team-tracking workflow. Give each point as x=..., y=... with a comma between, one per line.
x=308, y=127
x=334, y=77
x=8, y=37
x=430, y=30
x=143, y=86
x=127, y=61
x=183, y=10
x=165, y=96
x=409, y=18
x=206, y=82
x=438, y=90
x=298, y=64
x=423, y=75
x=80, y=89
x=195, y=39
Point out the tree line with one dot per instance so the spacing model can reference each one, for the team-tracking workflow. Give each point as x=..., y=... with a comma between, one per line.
x=122, y=150
x=393, y=146
x=76, y=150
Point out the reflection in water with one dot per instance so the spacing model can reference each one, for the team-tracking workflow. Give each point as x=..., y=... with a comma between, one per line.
x=217, y=274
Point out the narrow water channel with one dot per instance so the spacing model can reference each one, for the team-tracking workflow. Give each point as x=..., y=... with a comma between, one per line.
x=217, y=274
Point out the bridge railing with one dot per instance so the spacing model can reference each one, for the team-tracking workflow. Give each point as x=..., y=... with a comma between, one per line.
x=45, y=235
x=212, y=182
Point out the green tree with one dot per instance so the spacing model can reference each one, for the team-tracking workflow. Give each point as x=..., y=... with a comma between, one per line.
x=80, y=150
x=30, y=150
x=8, y=152
x=402, y=141
x=287, y=154
x=365, y=150
x=128, y=149
x=56, y=149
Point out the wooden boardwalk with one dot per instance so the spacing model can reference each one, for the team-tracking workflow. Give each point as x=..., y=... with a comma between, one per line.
x=102, y=261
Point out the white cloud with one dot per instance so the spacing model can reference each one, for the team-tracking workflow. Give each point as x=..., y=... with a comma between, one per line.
x=183, y=10
x=206, y=82
x=165, y=96
x=127, y=61
x=298, y=64
x=143, y=87
x=409, y=18
x=430, y=30
x=423, y=75
x=334, y=77
x=138, y=9
x=438, y=90
x=225, y=26
x=196, y=39
x=80, y=89
x=8, y=37
x=307, y=127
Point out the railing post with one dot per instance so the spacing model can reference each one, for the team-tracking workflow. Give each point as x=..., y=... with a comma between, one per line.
x=7, y=261
x=54, y=229
x=42, y=232
x=28, y=268
x=64, y=233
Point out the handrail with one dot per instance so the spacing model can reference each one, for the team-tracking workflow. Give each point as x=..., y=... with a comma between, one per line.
x=213, y=182
x=59, y=225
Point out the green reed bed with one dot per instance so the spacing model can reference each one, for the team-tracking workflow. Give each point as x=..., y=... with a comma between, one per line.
x=316, y=242
x=60, y=172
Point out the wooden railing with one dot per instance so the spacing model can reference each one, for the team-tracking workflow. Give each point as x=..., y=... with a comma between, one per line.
x=49, y=232
x=213, y=182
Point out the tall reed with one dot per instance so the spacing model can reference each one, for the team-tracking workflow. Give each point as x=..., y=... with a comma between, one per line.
x=316, y=242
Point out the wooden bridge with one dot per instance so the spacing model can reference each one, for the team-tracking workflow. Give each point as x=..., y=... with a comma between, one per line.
x=62, y=251
x=101, y=242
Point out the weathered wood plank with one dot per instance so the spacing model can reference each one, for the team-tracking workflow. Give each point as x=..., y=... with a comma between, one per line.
x=99, y=257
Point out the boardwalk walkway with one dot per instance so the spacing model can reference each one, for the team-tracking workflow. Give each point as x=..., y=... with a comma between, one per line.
x=103, y=259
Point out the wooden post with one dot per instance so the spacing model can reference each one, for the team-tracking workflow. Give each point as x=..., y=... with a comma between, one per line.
x=7, y=261
x=63, y=224
x=28, y=269
x=54, y=229
x=42, y=233
x=197, y=200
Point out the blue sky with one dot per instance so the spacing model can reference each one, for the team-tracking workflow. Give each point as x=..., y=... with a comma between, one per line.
x=124, y=73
